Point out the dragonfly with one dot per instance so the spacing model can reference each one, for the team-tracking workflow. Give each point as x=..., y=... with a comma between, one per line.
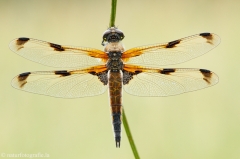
x=138, y=71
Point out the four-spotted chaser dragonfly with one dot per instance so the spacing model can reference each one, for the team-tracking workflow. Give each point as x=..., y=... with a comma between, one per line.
x=136, y=70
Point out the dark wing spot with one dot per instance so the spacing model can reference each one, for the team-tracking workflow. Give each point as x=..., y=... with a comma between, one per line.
x=172, y=43
x=22, y=78
x=102, y=76
x=20, y=42
x=205, y=79
x=128, y=76
x=56, y=47
x=23, y=39
x=92, y=73
x=206, y=75
x=137, y=72
x=62, y=73
x=167, y=71
x=208, y=36
x=205, y=34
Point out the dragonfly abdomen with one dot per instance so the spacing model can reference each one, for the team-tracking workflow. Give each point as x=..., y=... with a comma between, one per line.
x=115, y=94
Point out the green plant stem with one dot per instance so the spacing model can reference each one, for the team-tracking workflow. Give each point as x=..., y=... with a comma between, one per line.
x=113, y=13
x=129, y=135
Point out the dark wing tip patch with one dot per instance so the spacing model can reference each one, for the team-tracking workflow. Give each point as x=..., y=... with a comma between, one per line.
x=22, y=78
x=206, y=75
x=172, y=43
x=167, y=71
x=20, y=42
x=23, y=39
x=56, y=47
x=62, y=73
x=207, y=36
x=204, y=71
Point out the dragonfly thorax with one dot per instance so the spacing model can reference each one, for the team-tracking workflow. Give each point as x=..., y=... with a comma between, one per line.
x=114, y=62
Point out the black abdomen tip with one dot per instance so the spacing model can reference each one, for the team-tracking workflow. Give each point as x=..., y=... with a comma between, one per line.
x=118, y=139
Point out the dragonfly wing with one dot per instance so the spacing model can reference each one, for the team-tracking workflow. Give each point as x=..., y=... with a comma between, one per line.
x=64, y=84
x=143, y=81
x=173, y=52
x=55, y=55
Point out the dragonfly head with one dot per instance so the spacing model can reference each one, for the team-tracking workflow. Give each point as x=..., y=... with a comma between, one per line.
x=112, y=35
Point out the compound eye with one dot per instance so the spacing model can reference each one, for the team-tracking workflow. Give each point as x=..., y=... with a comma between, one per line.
x=120, y=33
x=106, y=33
x=121, y=36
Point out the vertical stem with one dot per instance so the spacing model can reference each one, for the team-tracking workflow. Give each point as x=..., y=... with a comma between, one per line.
x=129, y=135
x=113, y=13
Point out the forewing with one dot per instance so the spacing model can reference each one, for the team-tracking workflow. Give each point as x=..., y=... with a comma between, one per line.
x=64, y=84
x=173, y=52
x=143, y=81
x=55, y=55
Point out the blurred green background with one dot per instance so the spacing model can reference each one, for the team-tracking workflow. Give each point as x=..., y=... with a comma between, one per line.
x=201, y=124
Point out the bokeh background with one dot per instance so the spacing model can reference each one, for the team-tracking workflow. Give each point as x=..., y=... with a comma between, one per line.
x=201, y=124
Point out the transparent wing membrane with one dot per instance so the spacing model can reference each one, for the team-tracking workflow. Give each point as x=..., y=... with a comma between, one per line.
x=167, y=82
x=55, y=55
x=173, y=52
x=64, y=84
